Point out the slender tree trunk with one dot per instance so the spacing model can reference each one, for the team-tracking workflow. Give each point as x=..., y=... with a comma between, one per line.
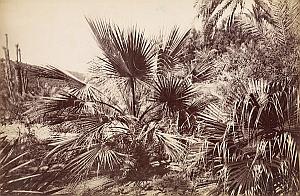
x=25, y=81
x=9, y=71
x=20, y=80
x=19, y=75
x=17, y=52
x=20, y=55
x=132, y=83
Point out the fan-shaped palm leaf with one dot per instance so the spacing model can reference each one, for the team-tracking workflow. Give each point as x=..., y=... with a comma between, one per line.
x=171, y=51
x=69, y=106
x=95, y=145
x=87, y=93
x=188, y=118
x=65, y=102
x=104, y=158
x=126, y=54
x=175, y=94
x=172, y=145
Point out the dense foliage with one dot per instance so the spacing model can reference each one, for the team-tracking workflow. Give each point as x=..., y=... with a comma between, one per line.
x=214, y=107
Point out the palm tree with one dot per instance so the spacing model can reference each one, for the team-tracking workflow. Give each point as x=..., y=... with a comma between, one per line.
x=257, y=18
x=138, y=127
x=253, y=150
x=279, y=25
x=217, y=14
x=129, y=56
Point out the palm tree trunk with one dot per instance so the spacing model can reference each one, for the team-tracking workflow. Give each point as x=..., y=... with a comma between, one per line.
x=132, y=83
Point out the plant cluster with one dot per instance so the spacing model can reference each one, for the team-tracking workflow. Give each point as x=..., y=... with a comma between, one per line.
x=217, y=107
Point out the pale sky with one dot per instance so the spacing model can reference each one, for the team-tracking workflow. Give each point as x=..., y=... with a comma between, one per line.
x=55, y=31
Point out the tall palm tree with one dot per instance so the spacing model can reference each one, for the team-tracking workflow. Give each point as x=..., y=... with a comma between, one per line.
x=279, y=24
x=220, y=15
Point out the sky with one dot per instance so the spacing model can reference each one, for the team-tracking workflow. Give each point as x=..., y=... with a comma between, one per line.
x=54, y=32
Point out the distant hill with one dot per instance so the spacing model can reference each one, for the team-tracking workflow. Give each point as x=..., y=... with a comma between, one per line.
x=81, y=76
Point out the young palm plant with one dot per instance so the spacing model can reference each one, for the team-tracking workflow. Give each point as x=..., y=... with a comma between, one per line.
x=254, y=149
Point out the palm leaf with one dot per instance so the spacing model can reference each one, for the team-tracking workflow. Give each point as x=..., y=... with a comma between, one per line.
x=87, y=93
x=217, y=15
x=175, y=94
x=172, y=145
x=55, y=106
x=285, y=20
x=171, y=51
x=11, y=163
x=126, y=54
x=104, y=157
x=55, y=73
x=188, y=118
x=70, y=105
x=253, y=28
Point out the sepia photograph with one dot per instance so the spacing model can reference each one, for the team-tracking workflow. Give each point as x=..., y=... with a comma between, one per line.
x=150, y=97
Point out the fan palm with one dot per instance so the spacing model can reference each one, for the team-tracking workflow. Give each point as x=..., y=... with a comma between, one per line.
x=253, y=150
x=109, y=136
x=126, y=55
x=108, y=140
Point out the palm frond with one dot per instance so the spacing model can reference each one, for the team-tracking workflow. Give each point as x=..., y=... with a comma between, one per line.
x=55, y=73
x=172, y=145
x=285, y=20
x=100, y=155
x=63, y=103
x=70, y=106
x=267, y=107
x=175, y=94
x=96, y=146
x=188, y=118
x=11, y=163
x=170, y=51
x=253, y=28
x=217, y=14
x=126, y=54
x=87, y=93
x=206, y=7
